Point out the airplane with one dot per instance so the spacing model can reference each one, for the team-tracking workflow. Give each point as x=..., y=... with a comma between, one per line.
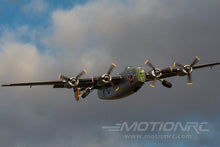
x=122, y=85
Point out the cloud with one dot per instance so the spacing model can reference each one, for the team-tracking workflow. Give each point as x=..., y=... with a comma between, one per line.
x=35, y=7
x=21, y=60
x=96, y=23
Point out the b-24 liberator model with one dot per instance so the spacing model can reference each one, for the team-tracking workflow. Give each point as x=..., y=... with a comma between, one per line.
x=124, y=84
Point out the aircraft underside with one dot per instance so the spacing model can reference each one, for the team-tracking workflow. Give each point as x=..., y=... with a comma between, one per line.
x=119, y=86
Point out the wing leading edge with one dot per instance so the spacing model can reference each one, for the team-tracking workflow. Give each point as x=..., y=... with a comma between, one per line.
x=94, y=81
x=83, y=83
x=35, y=83
x=176, y=71
x=206, y=65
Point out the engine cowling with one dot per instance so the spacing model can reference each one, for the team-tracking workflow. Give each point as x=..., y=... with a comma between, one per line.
x=67, y=85
x=106, y=78
x=72, y=82
x=166, y=84
x=86, y=92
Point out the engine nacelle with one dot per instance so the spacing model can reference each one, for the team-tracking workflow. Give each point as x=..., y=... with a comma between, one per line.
x=86, y=92
x=106, y=78
x=166, y=84
x=187, y=69
x=73, y=82
x=67, y=85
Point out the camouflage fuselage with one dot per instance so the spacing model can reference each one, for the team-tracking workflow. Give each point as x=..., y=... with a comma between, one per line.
x=133, y=79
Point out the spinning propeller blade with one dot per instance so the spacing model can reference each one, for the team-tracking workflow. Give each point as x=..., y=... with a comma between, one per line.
x=187, y=69
x=189, y=79
x=106, y=78
x=157, y=73
x=153, y=83
x=195, y=61
x=111, y=68
x=61, y=77
x=74, y=81
x=177, y=64
x=81, y=73
x=149, y=64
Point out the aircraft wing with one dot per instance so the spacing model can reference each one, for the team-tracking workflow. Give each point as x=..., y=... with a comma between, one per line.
x=78, y=84
x=174, y=72
x=34, y=83
x=181, y=70
x=206, y=65
x=83, y=83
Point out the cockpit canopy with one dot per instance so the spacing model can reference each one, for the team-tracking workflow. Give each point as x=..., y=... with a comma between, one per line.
x=138, y=71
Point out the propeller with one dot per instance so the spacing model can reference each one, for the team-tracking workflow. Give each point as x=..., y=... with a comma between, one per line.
x=73, y=82
x=157, y=73
x=107, y=78
x=187, y=69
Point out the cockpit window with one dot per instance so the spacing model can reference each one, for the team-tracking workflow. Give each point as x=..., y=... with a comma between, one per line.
x=127, y=69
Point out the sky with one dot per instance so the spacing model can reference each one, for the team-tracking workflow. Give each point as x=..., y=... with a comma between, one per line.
x=40, y=39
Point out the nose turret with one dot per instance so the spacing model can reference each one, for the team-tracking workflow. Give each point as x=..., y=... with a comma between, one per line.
x=141, y=74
